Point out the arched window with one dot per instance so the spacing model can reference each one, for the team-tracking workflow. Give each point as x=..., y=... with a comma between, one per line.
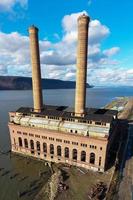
x=92, y=158
x=20, y=141
x=66, y=152
x=74, y=154
x=58, y=150
x=51, y=149
x=26, y=143
x=38, y=145
x=31, y=144
x=83, y=156
x=44, y=147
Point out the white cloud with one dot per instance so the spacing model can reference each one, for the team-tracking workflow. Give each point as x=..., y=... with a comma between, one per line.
x=14, y=49
x=97, y=32
x=112, y=76
x=8, y=5
x=58, y=59
x=55, y=58
x=64, y=52
x=112, y=51
x=3, y=69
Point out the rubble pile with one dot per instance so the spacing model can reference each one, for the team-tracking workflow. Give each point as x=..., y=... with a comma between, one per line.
x=98, y=191
x=62, y=187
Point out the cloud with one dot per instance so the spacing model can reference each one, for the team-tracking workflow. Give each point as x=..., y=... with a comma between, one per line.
x=8, y=5
x=97, y=32
x=14, y=48
x=112, y=51
x=58, y=60
x=64, y=52
x=53, y=57
x=15, y=54
x=3, y=69
x=112, y=76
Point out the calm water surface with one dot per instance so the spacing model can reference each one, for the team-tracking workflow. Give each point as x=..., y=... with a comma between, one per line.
x=12, y=100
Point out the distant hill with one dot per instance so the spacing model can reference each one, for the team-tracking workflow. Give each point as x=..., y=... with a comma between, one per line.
x=25, y=83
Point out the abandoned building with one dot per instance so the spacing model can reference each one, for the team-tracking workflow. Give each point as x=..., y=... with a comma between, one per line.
x=81, y=136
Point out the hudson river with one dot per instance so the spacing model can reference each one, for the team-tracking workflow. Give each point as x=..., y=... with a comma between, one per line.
x=16, y=167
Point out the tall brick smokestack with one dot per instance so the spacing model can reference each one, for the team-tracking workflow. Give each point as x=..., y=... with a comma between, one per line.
x=82, y=50
x=36, y=71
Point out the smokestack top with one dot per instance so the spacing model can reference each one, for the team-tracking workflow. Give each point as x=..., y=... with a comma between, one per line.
x=84, y=17
x=33, y=29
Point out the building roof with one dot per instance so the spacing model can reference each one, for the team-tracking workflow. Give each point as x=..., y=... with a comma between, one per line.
x=94, y=114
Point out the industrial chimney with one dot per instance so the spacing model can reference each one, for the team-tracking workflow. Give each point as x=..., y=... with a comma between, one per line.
x=36, y=71
x=82, y=50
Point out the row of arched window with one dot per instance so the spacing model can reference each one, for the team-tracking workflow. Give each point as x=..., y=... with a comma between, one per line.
x=59, y=150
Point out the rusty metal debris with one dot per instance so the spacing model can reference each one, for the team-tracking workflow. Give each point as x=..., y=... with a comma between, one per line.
x=62, y=187
x=98, y=191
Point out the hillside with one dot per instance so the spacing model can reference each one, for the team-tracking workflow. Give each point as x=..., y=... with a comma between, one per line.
x=25, y=83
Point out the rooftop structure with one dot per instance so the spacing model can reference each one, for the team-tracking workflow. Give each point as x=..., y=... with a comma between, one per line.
x=96, y=122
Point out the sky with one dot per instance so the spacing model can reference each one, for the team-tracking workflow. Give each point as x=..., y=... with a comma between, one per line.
x=110, y=36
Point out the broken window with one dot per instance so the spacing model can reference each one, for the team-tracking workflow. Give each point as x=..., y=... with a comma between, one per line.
x=44, y=147
x=26, y=143
x=92, y=158
x=20, y=141
x=83, y=156
x=58, y=150
x=74, y=154
x=51, y=149
x=66, y=152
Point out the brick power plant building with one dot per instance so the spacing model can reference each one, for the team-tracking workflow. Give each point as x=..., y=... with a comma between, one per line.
x=82, y=136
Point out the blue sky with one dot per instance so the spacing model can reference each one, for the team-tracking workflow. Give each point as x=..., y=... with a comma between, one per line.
x=110, y=38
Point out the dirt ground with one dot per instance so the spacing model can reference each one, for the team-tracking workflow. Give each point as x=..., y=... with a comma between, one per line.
x=80, y=182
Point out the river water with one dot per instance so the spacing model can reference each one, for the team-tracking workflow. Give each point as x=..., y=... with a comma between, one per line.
x=26, y=172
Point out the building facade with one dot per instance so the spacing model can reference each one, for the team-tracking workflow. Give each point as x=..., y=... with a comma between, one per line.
x=63, y=137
